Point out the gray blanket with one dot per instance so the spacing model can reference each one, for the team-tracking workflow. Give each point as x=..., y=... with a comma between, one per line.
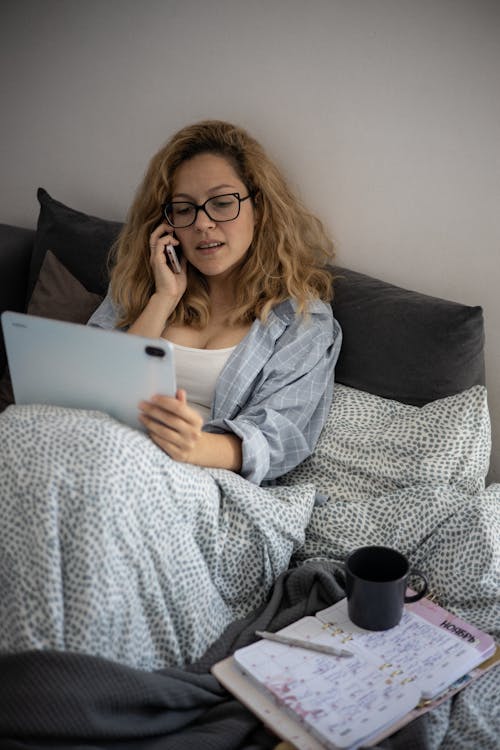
x=111, y=548
x=67, y=700
x=76, y=702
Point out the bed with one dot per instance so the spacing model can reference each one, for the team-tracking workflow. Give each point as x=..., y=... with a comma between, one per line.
x=402, y=461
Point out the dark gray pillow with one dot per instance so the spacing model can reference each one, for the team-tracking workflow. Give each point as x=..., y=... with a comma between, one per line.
x=79, y=241
x=404, y=345
x=59, y=295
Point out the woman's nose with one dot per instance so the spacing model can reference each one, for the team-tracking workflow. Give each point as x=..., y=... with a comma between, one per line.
x=203, y=220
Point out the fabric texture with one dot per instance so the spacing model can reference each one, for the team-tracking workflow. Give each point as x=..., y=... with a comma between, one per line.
x=81, y=242
x=123, y=552
x=59, y=295
x=128, y=556
x=370, y=445
x=89, y=702
x=404, y=345
x=189, y=363
x=82, y=702
x=275, y=389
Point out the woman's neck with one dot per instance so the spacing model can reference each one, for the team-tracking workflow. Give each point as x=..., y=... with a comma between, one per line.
x=222, y=298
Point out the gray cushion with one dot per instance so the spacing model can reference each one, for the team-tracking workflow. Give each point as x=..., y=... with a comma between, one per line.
x=404, y=345
x=79, y=241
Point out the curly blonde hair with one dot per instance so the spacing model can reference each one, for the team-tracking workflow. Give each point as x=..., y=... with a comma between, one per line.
x=290, y=250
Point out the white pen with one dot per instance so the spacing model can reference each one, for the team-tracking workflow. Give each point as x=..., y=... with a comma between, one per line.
x=322, y=648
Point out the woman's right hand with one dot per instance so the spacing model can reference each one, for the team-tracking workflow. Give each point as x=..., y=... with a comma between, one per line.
x=169, y=286
x=168, y=283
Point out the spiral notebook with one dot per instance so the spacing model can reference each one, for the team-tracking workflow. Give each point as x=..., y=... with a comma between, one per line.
x=320, y=701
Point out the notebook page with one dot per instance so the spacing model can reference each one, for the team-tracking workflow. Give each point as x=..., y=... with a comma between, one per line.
x=263, y=705
x=342, y=701
x=429, y=610
x=416, y=648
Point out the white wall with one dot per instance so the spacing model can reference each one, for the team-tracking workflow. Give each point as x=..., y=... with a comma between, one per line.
x=385, y=114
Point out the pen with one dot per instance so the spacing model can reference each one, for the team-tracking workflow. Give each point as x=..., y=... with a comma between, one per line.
x=309, y=645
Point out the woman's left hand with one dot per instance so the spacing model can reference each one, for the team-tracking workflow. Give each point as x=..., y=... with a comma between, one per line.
x=173, y=425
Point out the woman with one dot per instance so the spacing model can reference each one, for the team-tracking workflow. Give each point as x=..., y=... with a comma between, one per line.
x=248, y=313
x=142, y=547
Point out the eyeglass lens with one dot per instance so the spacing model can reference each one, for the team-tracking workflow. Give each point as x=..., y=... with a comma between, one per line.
x=219, y=208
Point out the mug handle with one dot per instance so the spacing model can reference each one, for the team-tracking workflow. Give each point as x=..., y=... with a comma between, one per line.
x=419, y=594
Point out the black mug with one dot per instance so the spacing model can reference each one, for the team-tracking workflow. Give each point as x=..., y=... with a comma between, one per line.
x=375, y=584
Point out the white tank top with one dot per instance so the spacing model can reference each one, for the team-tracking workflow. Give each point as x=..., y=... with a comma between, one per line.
x=197, y=371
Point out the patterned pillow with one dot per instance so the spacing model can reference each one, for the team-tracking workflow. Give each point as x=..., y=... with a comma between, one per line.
x=370, y=445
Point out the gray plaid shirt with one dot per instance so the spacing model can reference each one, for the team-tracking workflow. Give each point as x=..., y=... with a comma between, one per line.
x=275, y=389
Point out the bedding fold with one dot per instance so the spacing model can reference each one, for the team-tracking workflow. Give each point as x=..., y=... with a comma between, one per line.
x=121, y=552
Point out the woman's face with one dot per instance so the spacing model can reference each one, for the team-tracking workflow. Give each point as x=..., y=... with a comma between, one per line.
x=214, y=248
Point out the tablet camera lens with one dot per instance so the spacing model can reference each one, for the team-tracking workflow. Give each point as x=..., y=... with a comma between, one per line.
x=155, y=351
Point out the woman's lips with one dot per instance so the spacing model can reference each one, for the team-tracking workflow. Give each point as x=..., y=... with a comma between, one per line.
x=208, y=248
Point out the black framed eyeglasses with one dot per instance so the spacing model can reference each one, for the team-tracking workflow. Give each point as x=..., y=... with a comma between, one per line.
x=226, y=207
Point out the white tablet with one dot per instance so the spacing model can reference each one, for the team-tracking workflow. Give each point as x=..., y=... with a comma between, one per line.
x=83, y=367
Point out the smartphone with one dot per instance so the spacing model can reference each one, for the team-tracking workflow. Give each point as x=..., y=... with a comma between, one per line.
x=172, y=259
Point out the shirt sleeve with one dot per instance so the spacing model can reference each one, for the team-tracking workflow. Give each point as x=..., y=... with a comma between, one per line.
x=282, y=419
x=106, y=315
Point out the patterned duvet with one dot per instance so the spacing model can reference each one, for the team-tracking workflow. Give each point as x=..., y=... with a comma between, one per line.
x=123, y=553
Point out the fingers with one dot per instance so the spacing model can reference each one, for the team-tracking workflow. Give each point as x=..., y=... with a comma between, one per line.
x=165, y=232
x=168, y=439
x=166, y=280
x=181, y=395
x=172, y=424
x=163, y=235
x=171, y=408
x=184, y=425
